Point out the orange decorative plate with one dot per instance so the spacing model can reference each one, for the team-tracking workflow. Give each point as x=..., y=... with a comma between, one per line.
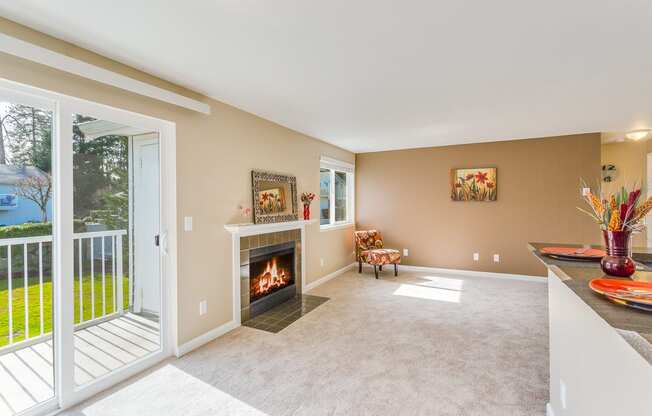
x=574, y=253
x=625, y=292
x=642, y=306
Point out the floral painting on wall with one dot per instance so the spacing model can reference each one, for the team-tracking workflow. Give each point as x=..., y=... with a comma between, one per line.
x=477, y=184
x=272, y=201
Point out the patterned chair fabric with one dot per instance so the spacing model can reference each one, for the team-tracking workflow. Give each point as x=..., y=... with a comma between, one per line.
x=381, y=256
x=369, y=248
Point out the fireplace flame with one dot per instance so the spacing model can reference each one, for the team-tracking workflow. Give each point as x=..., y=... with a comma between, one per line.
x=271, y=278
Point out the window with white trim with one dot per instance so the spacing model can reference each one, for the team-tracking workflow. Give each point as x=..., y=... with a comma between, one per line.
x=336, y=195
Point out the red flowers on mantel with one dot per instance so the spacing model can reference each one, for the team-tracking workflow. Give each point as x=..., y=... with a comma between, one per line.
x=307, y=198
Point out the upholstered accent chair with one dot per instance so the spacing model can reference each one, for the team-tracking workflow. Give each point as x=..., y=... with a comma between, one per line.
x=369, y=248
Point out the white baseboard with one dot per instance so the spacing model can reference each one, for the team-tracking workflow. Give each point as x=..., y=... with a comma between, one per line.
x=549, y=411
x=205, y=338
x=459, y=272
x=328, y=277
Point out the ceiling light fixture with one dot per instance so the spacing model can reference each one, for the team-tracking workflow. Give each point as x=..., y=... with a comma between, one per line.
x=638, y=134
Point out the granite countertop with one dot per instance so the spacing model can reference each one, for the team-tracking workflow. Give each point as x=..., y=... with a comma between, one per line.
x=634, y=325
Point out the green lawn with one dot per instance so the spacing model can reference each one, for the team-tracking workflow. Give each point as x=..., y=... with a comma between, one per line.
x=18, y=306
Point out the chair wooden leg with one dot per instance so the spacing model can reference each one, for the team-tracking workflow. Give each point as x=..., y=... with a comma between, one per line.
x=360, y=266
x=380, y=268
x=376, y=271
x=395, y=269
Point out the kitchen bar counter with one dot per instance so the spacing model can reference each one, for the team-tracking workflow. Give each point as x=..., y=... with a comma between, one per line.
x=600, y=352
x=577, y=275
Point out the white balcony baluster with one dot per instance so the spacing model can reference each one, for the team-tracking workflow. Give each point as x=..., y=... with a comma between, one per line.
x=81, y=288
x=103, y=281
x=92, y=279
x=26, y=290
x=118, y=249
x=11, y=295
x=113, y=274
x=40, y=286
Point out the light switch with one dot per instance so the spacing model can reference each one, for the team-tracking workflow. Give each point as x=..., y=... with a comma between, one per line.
x=187, y=223
x=476, y=256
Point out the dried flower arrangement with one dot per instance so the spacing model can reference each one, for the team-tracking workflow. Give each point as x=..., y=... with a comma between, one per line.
x=307, y=198
x=619, y=211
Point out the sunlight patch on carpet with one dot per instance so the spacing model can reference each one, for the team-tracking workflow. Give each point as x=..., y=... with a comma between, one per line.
x=428, y=293
x=443, y=282
x=151, y=395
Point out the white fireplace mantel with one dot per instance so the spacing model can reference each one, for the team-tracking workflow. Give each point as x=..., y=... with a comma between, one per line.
x=244, y=230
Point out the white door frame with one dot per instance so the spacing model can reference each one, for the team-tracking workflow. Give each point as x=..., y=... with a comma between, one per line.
x=63, y=107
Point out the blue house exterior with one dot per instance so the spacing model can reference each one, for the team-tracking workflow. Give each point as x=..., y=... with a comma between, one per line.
x=13, y=208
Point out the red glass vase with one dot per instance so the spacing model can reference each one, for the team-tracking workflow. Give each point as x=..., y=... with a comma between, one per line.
x=618, y=261
x=306, y=212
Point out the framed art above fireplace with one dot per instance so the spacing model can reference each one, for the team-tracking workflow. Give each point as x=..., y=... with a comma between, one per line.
x=274, y=197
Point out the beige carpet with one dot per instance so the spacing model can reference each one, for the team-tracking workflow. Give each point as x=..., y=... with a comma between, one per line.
x=419, y=344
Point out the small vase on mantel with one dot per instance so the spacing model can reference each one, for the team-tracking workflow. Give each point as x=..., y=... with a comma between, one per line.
x=307, y=198
x=618, y=261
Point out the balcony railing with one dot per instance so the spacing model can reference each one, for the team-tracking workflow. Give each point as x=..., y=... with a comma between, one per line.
x=99, y=284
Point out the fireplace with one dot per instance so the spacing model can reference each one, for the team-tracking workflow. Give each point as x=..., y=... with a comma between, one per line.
x=272, y=272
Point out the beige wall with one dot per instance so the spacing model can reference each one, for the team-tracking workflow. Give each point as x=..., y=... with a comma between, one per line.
x=630, y=159
x=215, y=155
x=406, y=195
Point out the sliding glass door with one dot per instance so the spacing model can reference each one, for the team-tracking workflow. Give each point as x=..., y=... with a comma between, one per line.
x=83, y=299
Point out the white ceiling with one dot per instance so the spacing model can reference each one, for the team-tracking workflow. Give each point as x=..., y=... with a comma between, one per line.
x=370, y=75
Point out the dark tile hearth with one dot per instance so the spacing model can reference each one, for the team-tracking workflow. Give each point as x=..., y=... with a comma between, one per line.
x=281, y=316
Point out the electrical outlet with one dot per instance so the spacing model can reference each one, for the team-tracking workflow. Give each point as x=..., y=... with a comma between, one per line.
x=562, y=393
x=476, y=256
x=203, y=307
x=321, y=262
x=406, y=252
x=496, y=258
x=187, y=223
x=586, y=191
